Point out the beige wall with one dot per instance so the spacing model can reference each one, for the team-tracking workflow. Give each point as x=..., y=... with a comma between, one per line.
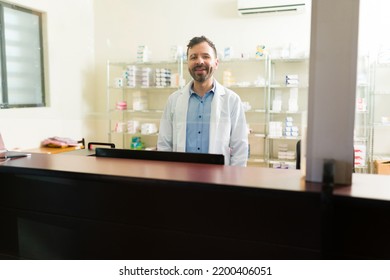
x=122, y=25
x=83, y=34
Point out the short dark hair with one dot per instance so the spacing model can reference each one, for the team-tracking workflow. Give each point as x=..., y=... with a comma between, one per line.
x=197, y=40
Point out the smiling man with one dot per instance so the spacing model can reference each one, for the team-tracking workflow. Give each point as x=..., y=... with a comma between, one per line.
x=204, y=116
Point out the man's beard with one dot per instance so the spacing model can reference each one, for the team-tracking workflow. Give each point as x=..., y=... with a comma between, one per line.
x=203, y=77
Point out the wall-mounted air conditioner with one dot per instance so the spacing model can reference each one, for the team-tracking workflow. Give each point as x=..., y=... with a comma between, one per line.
x=252, y=7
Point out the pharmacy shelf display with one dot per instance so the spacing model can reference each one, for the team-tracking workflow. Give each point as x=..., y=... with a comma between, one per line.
x=273, y=92
x=249, y=79
x=286, y=110
x=380, y=148
x=363, y=115
x=136, y=95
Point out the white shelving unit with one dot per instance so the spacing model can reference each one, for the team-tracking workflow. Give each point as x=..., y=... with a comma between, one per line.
x=380, y=147
x=257, y=81
x=249, y=79
x=286, y=110
x=136, y=95
x=363, y=118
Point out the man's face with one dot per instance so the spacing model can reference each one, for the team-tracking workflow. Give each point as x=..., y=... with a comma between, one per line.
x=202, y=62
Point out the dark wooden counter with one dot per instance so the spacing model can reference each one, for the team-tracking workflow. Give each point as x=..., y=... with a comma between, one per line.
x=173, y=171
x=78, y=207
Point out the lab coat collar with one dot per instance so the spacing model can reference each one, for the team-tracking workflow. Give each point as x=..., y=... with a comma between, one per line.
x=218, y=89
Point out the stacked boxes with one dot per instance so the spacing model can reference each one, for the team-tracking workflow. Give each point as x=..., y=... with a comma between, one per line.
x=133, y=126
x=144, y=77
x=361, y=104
x=293, y=100
x=148, y=128
x=140, y=101
x=121, y=105
x=120, y=127
x=227, y=79
x=142, y=54
x=382, y=167
x=163, y=77
x=130, y=75
x=284, y=153
x=277, y=102
x=290, y=129
x=275, y=129
x=283, y=165
x=292, y=80
x=360, y=155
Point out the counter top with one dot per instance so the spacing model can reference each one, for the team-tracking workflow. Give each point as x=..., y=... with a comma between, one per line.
x=140, y=209
x=159, y=170
x=364, y=185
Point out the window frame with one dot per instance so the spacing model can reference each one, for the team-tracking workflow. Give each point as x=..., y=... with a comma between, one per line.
x=4, y=104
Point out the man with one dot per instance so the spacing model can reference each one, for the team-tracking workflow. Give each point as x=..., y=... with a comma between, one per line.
x=204, y=116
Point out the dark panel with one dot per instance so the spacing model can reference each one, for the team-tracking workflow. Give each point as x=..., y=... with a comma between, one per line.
x=361, y=228
x=166, y=219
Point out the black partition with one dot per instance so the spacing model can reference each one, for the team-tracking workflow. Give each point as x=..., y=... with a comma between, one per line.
x=57, y=215
x=161, y=155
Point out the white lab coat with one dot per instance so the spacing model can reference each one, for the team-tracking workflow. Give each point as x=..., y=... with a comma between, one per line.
x=228, y=129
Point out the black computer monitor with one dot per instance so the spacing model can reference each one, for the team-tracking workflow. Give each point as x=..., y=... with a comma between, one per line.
x=160, y=155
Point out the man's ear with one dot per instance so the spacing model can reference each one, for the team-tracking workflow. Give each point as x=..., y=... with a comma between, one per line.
x=216, y=63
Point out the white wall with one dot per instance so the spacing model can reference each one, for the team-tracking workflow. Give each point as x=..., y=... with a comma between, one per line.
x=70, y=77
x=373, y=27
x=83, y=34
x=122, y=25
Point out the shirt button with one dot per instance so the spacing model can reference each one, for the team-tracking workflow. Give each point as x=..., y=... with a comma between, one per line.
x=200, y=117
x=198, y=132
x=198, y=148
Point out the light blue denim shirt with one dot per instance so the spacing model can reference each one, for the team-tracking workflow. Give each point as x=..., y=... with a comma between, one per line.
x=198, y=122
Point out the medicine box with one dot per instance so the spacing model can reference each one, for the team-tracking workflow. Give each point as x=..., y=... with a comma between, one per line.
x=382, y=167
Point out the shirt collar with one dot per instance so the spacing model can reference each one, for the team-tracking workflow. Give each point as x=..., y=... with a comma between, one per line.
x=212, y=90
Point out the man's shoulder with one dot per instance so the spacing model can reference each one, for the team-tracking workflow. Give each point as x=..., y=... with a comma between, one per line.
x=178, y=93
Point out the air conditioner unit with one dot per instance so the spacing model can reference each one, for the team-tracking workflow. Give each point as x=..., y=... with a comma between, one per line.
x=252, y=7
